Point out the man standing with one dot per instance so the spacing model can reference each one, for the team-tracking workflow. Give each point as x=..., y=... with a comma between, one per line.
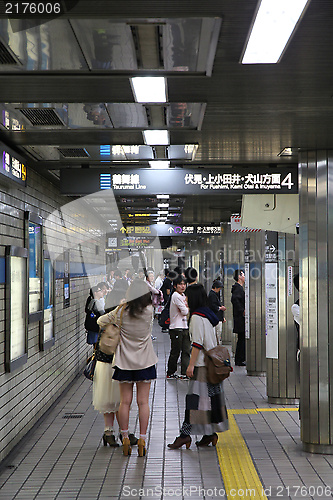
x=238, y=304
x=214, y=303
x=179, y=336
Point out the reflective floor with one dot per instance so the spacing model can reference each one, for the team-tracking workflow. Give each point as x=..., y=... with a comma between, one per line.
x=259, y=457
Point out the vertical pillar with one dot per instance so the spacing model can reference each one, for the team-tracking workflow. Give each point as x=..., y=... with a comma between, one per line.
x=316, y=291
x=254, y=304
x=282, y=367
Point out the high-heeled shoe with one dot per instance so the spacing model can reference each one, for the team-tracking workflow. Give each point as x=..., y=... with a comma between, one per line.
x=131, y=437
x=141, y=447
x=127, y=450
x=180, y=441
x=207, y=439
x=109, y=439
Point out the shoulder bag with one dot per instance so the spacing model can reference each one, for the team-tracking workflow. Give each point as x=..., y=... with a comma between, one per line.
x=90, y=368
x=218, y=365
x=110, y=334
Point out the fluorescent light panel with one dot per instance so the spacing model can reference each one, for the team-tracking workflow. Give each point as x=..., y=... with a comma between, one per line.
x=159, y=164
x=149, y=88
x=162, y=205
x=162, y=196
x=156, y=137
x=273, y=26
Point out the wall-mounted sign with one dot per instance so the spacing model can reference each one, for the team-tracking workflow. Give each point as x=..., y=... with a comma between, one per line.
x=236, y=226
x=247, y=286
x=271, y=246
x=16, y=345
x=271, y=297
x=67, y=298
x=11, y=166
x=147, y=181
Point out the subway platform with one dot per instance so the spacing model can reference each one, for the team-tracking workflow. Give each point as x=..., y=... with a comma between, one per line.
x=63, y=457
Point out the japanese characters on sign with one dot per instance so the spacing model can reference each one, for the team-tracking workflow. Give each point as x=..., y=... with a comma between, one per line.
x=234, y=181
x=12, y=168
x=181, y=181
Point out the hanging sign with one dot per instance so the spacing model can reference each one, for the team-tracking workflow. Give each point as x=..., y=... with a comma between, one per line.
x=147, y=181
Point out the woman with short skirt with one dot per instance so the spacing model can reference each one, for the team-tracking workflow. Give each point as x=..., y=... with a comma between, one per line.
x=205, y=409
x=135, y=361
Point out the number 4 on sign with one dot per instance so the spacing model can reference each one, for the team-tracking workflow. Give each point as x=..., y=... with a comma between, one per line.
x=287, y=181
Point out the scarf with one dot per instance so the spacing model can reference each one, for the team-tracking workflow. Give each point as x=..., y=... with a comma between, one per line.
x=206, y=312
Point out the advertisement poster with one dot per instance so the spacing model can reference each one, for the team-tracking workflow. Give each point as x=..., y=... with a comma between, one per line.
x=18, y=308
x=271, y=283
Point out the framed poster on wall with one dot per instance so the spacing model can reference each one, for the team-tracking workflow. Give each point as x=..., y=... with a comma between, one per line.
x=47, y=329
x=16, y=348
x=34, y=243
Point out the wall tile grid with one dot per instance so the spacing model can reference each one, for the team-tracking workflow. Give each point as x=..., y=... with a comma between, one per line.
x=29, y=391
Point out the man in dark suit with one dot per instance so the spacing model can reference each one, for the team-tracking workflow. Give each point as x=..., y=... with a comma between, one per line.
x=238, y=305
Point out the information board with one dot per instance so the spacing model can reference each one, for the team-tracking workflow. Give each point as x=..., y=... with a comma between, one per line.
x=12, y=165
x=271, y=297
x=16, y=307
x=247, y=286
x=180, y=181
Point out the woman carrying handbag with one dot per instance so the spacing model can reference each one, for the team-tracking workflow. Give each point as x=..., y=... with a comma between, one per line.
x=205, y=411
x=135, y=360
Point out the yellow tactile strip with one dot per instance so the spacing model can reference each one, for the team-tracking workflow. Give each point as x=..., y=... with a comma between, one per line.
x=240, y=477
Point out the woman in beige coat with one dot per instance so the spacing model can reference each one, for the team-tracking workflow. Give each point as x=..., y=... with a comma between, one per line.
x=135, y=361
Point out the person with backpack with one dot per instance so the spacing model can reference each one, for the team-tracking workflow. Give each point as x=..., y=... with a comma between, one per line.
x=94, y=308
x=205, y=408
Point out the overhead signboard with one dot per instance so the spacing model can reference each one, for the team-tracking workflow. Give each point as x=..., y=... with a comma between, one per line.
x=165, y=230
x=179, y=181
x=12, y=166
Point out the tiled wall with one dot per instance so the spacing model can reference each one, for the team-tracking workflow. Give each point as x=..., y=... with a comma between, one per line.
x=27, y=392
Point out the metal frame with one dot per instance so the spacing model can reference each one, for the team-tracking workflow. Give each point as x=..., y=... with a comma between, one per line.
x=13, y=364
x=36, y=219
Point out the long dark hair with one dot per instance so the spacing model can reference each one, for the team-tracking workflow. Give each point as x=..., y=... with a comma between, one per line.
x=196, y=297
x=138, y=297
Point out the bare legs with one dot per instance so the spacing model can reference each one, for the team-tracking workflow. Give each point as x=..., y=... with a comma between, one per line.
x=108, y=420
x=142, y=398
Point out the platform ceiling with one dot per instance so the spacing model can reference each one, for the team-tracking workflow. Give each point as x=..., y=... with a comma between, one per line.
x=65, y=90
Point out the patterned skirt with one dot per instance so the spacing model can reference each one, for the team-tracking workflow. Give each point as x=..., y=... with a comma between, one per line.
x=205, y=410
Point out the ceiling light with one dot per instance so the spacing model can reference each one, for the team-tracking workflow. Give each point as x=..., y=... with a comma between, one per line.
x=162, y=196
x=162, y=212
x=162, y=205
x=156, y=137
x=159, y=164
x=160, y=222
x=149, y=88
x=273, y=26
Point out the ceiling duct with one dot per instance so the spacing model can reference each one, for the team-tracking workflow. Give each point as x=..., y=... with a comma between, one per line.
x=42, y=117
x=74, y=152
x=156, y=116
x=148, y=48
x=160, y=153
x=6, y=56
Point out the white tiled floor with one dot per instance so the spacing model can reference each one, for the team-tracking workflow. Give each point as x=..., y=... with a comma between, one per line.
x=64, y=459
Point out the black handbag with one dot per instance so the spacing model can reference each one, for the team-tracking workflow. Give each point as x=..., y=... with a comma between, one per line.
x=90, y=368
